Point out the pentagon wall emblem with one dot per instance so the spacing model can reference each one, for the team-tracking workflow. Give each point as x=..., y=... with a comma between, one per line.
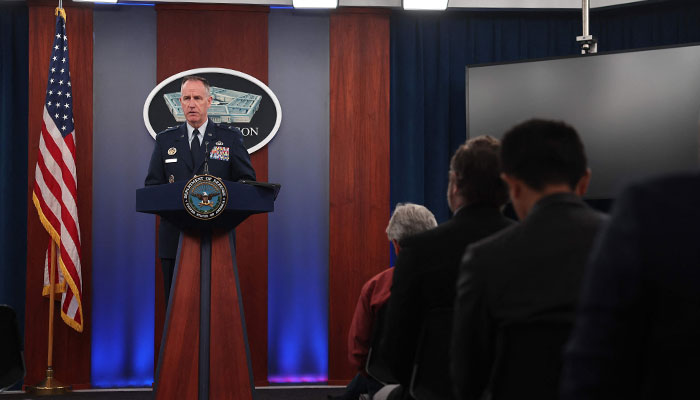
x=228, y=106
x=238, y=100
x=205, y=197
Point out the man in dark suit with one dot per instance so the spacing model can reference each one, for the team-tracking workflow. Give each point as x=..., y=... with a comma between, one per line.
x=529, y=272
x=637, y=333
x=182, y=152
x=426, y=267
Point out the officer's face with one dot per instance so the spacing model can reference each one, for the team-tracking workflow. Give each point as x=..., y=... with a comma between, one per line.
x=195, y=102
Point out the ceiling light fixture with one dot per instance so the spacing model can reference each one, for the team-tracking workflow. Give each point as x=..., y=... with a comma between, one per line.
x=424, y=4
x=315, y=3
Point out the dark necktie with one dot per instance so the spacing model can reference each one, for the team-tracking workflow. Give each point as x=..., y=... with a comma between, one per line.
x=196, y=148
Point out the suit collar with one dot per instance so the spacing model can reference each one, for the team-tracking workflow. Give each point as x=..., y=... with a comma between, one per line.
x=210, y=135
x=183, y=145
x=207, y=141
x=566, y=198
x=475, y=209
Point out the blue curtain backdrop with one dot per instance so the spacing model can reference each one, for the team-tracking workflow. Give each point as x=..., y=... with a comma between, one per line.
x=14, y=92
x=429, y=53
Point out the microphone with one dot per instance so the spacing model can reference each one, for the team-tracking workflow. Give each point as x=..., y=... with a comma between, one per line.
x=206, y=158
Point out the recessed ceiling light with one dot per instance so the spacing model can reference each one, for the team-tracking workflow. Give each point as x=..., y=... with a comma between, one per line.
x=424, y=4
x=315, y=3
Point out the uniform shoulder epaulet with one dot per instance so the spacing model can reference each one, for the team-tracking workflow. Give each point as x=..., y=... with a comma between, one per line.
x=166, y=130
x=230, y=128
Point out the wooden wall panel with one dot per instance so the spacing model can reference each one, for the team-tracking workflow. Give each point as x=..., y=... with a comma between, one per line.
x=234, y=37
x=71, y=351
x=359, y=168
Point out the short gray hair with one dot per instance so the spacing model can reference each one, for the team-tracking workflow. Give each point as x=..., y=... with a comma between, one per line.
x=202, y=79
x=409, y=219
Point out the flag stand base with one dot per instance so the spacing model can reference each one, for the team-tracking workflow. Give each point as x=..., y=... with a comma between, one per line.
x=49, y=386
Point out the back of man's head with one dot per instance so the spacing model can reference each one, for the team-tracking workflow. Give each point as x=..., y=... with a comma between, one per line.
x=409, y=219
x=542, y=152
x=476, y=167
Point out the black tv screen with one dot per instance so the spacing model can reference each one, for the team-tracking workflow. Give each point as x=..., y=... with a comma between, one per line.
x=637, y=112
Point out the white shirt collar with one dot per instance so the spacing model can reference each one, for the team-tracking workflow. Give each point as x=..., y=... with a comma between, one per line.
x=201, y=129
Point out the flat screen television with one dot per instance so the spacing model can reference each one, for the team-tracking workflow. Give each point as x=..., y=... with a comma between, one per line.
x=637, y=112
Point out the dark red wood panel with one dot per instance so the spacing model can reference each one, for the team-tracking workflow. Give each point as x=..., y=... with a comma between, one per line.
x=359, y=168
x=229, y=378
x=196, y=36
x=71, y=351
x=178, y=375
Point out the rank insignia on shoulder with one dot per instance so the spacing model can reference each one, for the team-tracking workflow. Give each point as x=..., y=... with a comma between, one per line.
x=171, y=179
x=172, y=151
x=219, y=143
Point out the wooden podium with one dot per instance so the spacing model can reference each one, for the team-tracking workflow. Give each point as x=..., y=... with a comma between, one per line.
x=204, y=351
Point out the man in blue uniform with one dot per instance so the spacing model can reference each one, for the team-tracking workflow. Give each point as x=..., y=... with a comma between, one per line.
x=181, y=152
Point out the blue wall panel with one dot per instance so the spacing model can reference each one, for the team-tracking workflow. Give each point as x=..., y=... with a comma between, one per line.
x=123, y=241
x=298, y=229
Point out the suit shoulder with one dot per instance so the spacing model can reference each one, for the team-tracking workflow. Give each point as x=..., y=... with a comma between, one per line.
x=668, y=194
x=669, y=185
x=166, y=132
x=495, y=243
x=228, y=128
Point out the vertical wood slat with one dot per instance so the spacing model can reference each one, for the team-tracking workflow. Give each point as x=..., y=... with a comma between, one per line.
x=229, y=375
x=193, y=36
x=359, y=168
x=177, y=374
x=71, y=354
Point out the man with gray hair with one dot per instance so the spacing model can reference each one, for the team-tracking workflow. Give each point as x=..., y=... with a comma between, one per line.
x=408, y=219
x=182, y=152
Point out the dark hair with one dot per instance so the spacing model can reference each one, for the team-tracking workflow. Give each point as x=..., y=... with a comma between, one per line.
x=204, y=81
x=541, y=152
x=476, y=167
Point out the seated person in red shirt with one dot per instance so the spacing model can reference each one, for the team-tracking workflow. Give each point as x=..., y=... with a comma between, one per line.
x=408, y=219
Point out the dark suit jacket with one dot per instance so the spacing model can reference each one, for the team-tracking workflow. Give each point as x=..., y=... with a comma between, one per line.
x=425, y=275
x=531, y=271
x=179, y=166
x=637, y=334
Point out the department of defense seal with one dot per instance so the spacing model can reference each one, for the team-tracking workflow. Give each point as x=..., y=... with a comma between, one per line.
x=172, y=151
x=205, y=197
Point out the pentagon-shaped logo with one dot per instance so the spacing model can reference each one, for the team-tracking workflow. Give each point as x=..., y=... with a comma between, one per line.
x=238, y=100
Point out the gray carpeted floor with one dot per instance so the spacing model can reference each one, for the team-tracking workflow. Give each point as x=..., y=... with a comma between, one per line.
x=271, y=393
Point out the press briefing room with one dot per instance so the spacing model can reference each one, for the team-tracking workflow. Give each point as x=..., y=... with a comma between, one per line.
x=349, y=199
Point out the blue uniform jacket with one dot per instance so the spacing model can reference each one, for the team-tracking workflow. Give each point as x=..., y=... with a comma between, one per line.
x=171, y=161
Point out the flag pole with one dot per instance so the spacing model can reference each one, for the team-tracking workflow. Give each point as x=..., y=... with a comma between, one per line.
x=50, y=386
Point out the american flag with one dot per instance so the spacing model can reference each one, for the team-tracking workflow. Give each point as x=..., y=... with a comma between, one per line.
x=55, y=186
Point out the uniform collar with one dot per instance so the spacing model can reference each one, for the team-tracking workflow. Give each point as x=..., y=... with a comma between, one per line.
x=202, y=129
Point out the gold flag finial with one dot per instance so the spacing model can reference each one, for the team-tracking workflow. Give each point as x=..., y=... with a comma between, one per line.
x=62, y=12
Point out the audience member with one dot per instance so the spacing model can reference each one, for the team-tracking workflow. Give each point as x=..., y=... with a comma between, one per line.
x=426, y=267
x=408, y=219
x=637, y=333
x=532, y=271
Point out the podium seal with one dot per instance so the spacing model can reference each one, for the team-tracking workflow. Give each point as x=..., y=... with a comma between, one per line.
x=205, y=197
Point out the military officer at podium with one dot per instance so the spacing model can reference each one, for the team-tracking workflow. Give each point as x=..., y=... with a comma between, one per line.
x=182, y=152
